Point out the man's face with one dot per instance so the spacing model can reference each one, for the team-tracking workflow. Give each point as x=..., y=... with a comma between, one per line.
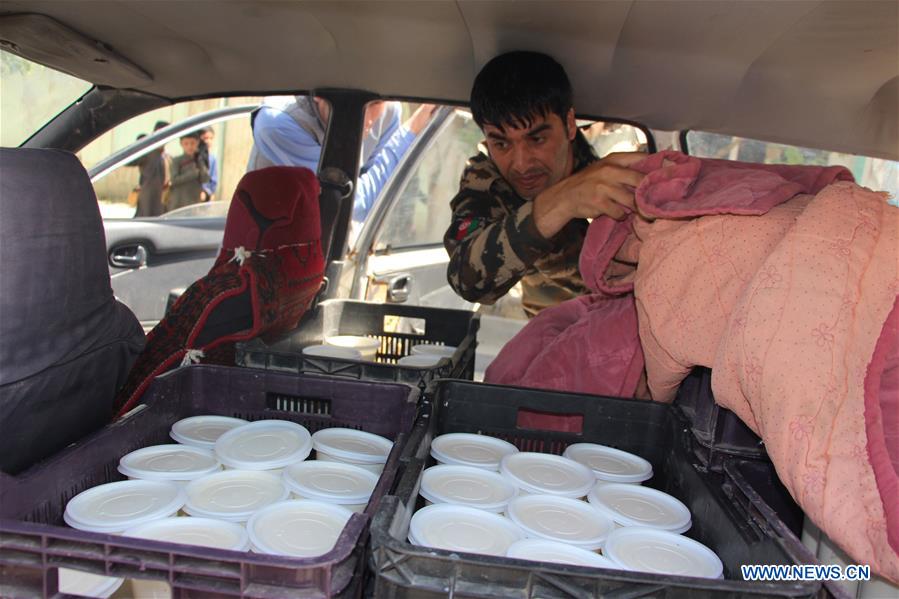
x=189, y=145
x=535, y=157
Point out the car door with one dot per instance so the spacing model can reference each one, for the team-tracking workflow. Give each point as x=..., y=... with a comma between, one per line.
x=151, y=259
x=400, y=256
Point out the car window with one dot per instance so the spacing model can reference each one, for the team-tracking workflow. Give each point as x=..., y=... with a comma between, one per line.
x=875, y=173
x=119, y=191
x=607, y=138
x=31, y=95
x=422, y=212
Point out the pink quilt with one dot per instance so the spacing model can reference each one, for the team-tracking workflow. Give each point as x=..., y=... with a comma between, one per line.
x=793, y=308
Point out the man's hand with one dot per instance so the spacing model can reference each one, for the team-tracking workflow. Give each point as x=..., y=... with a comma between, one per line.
x=420, y=118
x=603, y=188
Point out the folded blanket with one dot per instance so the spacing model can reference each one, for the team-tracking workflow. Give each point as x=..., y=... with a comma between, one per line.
x=787, y=288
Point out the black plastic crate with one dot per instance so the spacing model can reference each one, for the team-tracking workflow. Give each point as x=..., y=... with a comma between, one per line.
x=398, y=327
x=719, y=433
x=34, y=542
x=654, y=431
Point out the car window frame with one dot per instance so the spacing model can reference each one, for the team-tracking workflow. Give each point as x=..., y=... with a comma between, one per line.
x=160, y=138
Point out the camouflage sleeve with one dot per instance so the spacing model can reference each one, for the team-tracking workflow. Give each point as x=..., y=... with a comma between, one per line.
x=490, y=248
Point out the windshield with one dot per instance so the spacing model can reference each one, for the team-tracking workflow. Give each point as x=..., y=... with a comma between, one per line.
x=31, y=95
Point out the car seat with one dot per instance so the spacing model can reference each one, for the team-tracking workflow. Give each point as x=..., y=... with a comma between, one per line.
x=66, y=343
x=267, y=274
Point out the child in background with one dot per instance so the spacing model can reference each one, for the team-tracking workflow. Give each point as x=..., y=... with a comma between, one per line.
x=189, y=173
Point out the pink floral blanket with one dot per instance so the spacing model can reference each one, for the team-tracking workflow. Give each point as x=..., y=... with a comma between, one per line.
x=787, y=288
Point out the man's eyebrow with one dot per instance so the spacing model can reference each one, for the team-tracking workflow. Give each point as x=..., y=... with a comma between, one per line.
x=494, y=135
x=540, y=129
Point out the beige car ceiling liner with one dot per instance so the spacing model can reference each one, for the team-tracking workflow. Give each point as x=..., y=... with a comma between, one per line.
x=822, y=74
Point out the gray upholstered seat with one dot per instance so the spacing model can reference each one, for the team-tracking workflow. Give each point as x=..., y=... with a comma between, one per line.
x=66, y=344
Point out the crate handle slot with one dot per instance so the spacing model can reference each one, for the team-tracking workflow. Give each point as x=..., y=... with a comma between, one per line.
x=538, y=420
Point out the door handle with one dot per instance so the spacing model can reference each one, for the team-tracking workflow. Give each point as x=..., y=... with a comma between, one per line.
x=398, y=288
x=129, y=256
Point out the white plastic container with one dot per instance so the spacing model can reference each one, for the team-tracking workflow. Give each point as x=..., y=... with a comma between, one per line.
x=233, y=495
x=86, y=584
x=177, y=463
x=332, y=351
x=461, y=528
x=543, y=473
x=350, y=446
x=203, y=532
x=367, y=346
x=299, y=528
x=467, y=485
x=466, y=449
x=264, y=445
x=203, y=431
x=420, y=360
x=331, y=482
x=634, y=505
x=541, y=550
x=610, y=464
x=444, y=351
x=561, y=519
x=650, y=550
x=115, y=507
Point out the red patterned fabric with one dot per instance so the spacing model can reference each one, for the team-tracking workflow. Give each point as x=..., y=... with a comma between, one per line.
x=266, y=276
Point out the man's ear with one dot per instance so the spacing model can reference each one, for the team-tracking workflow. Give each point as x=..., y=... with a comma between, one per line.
x=571, y=124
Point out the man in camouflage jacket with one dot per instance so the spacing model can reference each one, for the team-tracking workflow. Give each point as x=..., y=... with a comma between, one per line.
x=520, y=214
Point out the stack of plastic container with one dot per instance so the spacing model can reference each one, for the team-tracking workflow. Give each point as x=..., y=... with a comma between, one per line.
x=80, y=486
x=240, y=508
x=486, y=497
x=579, y=495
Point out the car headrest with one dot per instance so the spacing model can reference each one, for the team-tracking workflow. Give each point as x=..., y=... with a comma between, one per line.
x=55, y=279
x=271, y=208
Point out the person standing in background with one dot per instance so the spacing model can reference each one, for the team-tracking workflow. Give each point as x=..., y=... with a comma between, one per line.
x=155, y=178
x=290, y=131
x=207, y=137
x=189, y=173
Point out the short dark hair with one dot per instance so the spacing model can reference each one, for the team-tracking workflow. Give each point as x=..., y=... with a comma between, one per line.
x=191, y=135
x=160, y=125
x=514, y=88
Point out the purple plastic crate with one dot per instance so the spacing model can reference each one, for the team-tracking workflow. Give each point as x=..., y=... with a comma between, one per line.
x=34, y=542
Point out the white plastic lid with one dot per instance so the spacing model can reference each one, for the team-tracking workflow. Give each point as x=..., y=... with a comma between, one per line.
x=85, y=584
x=444, y=351
x=264, y=445
x=334, y=482
x=610, y=464
x=546, y=473
x=350, y=444
x=650, y=550
x=363, y=344
x=169, y=462
x=332, y=351
x=114, y=507
x=542, y=550
x=560, y=519
x=466, y=449
x=420, y=360
x=461, y=528
x=203, y=431
x=204, y=532
x=233, y=495
x=467, y=485
x=633, y=505
x=300, y=528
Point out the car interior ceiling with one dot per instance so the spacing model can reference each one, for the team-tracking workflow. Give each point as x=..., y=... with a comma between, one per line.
x=728, y=67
